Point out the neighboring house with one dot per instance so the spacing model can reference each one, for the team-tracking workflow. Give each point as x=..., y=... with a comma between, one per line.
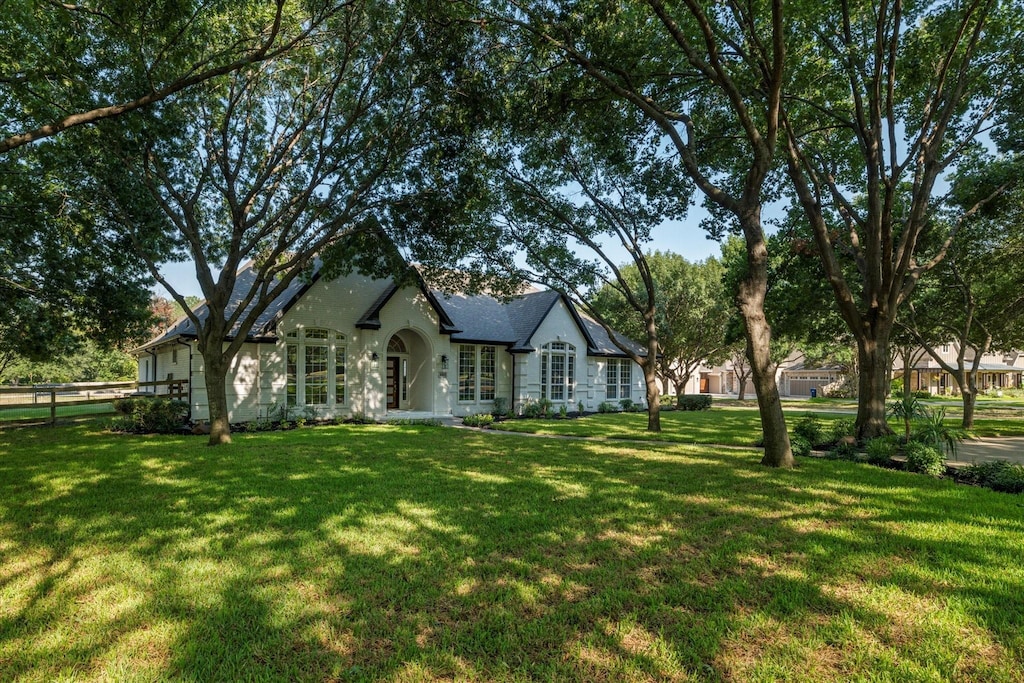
x=793, y=376
x=996, y=371
x=358, y=345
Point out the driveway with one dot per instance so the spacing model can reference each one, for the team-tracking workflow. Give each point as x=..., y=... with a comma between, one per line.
x=985, y=450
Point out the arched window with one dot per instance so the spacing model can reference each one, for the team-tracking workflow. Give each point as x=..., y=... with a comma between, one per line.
x=396, y=345
x=558, y=371
x=314, y=367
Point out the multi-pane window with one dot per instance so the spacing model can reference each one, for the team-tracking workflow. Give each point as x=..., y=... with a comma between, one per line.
x=314, y=367
x=619, y=378
x=558, y=371
x=316, y=375
x=477, y=372
x=467, y=372
x=339, y=374
x=487, y=375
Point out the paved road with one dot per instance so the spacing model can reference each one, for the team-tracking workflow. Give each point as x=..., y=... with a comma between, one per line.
x=984, y=450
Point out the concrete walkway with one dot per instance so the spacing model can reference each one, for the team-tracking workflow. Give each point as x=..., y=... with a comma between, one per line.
x=989, y=449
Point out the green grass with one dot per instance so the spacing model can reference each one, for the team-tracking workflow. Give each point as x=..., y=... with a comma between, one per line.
x=722, y=426
x=417, y=553
x=63, y=412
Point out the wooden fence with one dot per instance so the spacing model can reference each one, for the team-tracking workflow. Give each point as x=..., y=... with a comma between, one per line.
x=43, y=403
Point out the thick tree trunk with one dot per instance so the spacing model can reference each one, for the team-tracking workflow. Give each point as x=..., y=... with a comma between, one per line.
x=970, y=398
x=215, y=372
x=680, y=388
x=873, y=358
x=741, y=389
x=653, y=398
x=750, y=300
x=968, y=384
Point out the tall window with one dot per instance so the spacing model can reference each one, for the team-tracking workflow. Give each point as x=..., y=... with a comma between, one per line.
x=477, y=372
x=558, y=371
x=487, y=377
x=314, y=367
x=467, y=372
x=619, y=378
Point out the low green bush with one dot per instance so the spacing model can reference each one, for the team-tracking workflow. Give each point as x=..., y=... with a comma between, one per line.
x=841, y=429
x=479, y=420
x=998, y=476
x=532, y=409
x=626, y=405
x=149, y=415
x=800, y=446
x=810, y=429
x=607, y=407
x=500, y=406
x=880, y=450
x=844, y=450
x=924, y=459
x=694, y=401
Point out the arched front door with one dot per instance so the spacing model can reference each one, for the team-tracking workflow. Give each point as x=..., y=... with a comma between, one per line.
x=408, y=372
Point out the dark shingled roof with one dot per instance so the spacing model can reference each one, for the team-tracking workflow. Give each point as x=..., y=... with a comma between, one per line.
x=478, y=318
x=263, y=328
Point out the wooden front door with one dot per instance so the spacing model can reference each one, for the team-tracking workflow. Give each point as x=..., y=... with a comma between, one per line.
x=392, y=382
x=704, y=389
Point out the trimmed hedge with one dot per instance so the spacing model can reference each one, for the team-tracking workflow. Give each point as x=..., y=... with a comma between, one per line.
x=149, y=415
x=694, y=402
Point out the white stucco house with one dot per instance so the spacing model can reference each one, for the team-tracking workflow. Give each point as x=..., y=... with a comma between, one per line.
x=358, y=345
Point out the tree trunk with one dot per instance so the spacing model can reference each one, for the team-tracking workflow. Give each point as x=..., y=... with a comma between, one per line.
x=970, y=398
x=680, y=388
x=653, y=397
x=873, y=357
x=215, y=373
x=750, y=300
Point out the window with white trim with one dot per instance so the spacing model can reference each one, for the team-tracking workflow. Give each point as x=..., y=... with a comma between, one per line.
x=558, y=371
x=619, y=378
x=477, y=372
x=467, y=372
x=314, y=367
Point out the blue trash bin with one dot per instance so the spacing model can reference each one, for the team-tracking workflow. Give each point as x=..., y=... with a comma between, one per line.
x=814, y=392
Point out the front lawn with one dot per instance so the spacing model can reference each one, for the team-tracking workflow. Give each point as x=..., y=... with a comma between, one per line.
x=724, y=426
x=419, y=553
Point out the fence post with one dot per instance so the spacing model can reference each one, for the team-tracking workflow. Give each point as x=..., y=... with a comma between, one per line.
x=53, y=407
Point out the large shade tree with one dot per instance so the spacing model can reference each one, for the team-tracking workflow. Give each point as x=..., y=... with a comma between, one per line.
x=710, y=109
x=884, y=98
x=277, y=165
x=64, y=278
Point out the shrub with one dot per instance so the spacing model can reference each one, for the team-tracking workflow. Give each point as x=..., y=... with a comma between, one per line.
x=626, y=405
x=694, y=401
x=479, y=420
x=359, y=419
x=924, y=459
x=800, y=446
x=843, y=450
x=149, y=415
x=881, y=449
x=580, y=407
x=607, y=407
x=998, y=476
x=810, y=430
x=547, y=408
x=842, y=429
x=563, y=411
x=500, y=407
x=531, y=409
x=933, y=431
x=922, y=393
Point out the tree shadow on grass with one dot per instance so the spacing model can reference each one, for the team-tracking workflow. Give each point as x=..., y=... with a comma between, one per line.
x=391, y=552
